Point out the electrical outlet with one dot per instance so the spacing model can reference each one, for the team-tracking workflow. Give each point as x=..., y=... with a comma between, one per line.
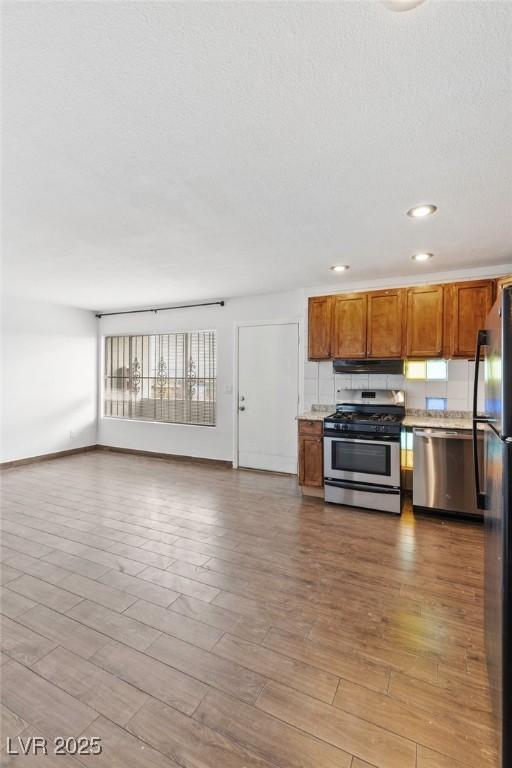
x=71, y=434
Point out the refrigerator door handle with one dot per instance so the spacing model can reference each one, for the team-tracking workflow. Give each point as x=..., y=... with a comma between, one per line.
x=482, y=340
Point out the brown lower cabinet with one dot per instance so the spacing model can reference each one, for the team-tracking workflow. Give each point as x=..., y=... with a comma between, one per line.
x=311, y=453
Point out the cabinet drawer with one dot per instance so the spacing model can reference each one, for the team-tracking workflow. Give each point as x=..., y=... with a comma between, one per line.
x=311, y=427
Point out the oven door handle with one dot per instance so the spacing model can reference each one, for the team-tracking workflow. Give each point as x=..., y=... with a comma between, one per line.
x=371, y=439
x=361, y=487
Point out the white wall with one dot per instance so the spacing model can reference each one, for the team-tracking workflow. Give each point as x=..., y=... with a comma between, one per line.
x=49, y=378
x=317, y=386
x=343, y=282
x=50, y=375
x=183, y=439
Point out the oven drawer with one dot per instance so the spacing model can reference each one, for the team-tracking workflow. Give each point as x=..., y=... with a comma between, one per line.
x=362, y=495
x=362, y=461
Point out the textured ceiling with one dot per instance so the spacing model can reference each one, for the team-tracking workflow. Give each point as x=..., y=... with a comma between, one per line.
x=163, y=152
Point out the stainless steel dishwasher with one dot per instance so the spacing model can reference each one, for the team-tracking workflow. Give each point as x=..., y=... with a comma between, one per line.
x=443, y=476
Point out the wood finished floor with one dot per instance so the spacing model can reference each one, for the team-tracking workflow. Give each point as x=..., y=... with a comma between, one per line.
x=206, y=618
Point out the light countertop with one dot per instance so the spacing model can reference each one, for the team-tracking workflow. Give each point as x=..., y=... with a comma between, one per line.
x=314, y=415
x=432, y=422
x=437, y=422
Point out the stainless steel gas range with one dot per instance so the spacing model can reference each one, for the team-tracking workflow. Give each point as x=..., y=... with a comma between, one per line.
x=362, y=450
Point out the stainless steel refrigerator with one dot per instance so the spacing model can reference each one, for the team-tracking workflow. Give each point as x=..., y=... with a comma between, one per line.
x=493, y=483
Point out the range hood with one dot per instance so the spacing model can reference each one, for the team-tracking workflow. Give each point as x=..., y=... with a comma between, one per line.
x=369, y=366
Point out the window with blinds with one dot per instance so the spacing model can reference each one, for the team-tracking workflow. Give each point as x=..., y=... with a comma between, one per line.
x=167, y=377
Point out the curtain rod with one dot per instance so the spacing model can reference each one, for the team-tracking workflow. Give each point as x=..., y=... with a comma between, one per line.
x=161, y=309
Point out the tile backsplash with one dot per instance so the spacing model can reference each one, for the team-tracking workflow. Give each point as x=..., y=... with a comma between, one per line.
x=322, y=385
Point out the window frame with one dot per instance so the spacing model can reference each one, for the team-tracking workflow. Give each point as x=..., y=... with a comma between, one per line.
x=425, y=363
x=152, y=376
x=429, y=406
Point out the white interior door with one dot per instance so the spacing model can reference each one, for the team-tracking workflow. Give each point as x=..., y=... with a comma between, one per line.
x=268, y=380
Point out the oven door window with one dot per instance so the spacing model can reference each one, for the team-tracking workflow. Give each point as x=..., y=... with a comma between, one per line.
x=367, y=458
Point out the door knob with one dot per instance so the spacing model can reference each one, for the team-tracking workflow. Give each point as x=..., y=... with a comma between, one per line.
x=242, y=398
x=241, y=407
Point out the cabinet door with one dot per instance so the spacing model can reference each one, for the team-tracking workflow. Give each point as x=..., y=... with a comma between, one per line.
x=470, y=304
x=425, y=321
x=385, y=324
x=311, y=461
x=349, y=326
x=319, y=327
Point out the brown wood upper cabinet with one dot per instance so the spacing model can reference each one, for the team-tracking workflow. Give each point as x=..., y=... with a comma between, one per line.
x=425, y=321
x=469, y=304
x=501, y=282
x=349, y=320
x=319, y=327
x=386, y=323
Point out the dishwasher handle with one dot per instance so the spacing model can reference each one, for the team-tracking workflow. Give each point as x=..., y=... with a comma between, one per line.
x=444, y=433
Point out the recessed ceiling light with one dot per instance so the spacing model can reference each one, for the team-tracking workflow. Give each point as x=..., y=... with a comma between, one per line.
x=340, y=268
x=422, y=256
x=419, y=211
x=402, y=5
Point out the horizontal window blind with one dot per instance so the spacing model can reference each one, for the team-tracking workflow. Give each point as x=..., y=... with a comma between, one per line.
x=168, y=377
